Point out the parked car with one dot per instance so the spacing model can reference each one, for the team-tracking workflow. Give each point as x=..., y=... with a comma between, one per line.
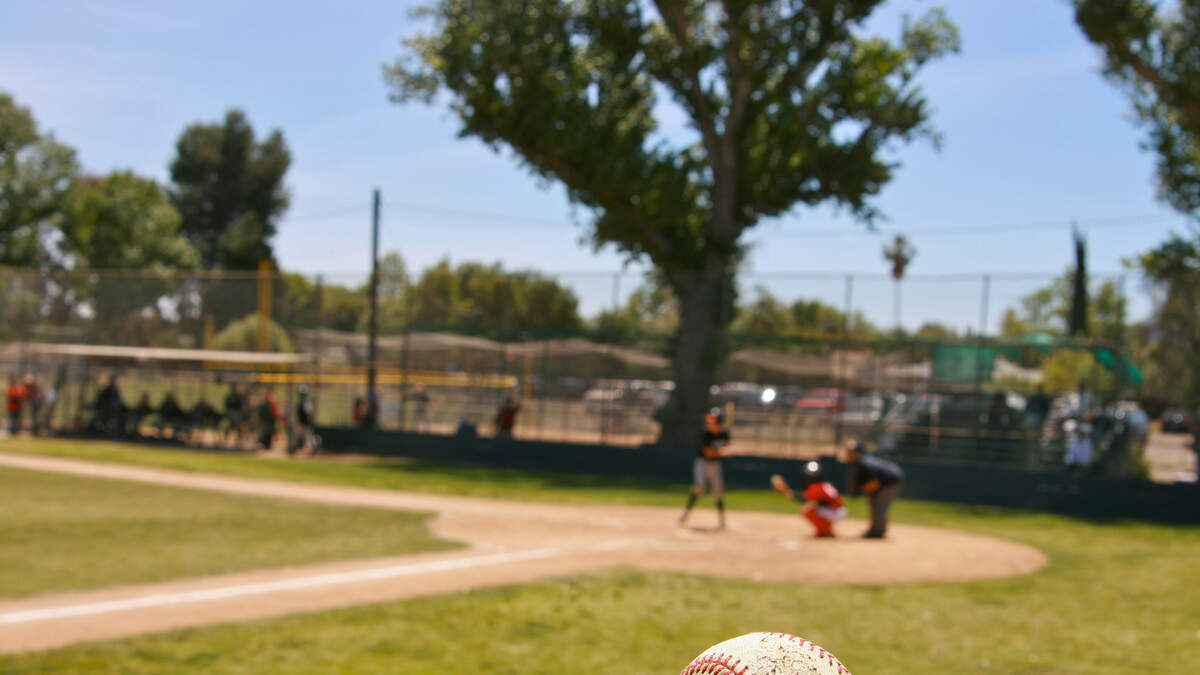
x=863, y=410
x=1177, y=421
x=745, y=395
x=823, y=400
x=976, y=426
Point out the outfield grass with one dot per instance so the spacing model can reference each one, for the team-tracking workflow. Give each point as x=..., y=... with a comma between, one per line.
x=64, y=532
x=397, y=474
x=1117, y=597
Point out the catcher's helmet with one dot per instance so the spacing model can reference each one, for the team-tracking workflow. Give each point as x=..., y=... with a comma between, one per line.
x=716, y=416
x=812, y=471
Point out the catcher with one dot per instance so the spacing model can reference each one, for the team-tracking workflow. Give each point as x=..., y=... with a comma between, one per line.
x=823, y=505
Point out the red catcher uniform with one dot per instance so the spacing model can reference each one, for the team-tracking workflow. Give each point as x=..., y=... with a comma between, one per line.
x=825, y=506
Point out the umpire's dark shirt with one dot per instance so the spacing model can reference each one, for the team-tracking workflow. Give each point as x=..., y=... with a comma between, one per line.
x=869, y=468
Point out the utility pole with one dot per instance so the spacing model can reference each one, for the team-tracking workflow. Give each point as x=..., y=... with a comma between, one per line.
x=899, y=253
x=372, y=395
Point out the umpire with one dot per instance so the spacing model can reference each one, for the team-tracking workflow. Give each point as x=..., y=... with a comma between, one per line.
x=877, y=478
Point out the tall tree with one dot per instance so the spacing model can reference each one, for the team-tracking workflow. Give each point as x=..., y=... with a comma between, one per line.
x=932, y=330
x=651, y=313
x=35, y=174
x=790, y=103
x=1050, y=309
x=814, y=316
x=1173, y=270
x=393, y=291
x=229, y=188
x=125, y=222
x=1077, y=323
x=1150, y=50
x=765, y=315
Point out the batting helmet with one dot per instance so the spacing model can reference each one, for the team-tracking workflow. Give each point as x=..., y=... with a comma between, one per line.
x=812, y=472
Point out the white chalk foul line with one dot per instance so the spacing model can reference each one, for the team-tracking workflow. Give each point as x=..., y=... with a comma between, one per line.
x=226, y=592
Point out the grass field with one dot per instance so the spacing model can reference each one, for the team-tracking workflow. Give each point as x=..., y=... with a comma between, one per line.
x=63, y=532
x=1117, y=597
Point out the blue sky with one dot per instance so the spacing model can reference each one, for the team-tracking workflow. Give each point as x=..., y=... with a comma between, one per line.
x=1032, y=135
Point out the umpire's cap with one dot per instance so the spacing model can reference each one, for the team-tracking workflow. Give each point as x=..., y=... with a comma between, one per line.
x=716, y=416
x=812, y=472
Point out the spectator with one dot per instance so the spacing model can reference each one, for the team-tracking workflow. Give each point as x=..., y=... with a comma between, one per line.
x=268, y=417
x=1080, y=447
x=506, y=418
x=110, y=409
x=16, y=395
x=421, y=404
x=358, y=412
x=235, y=413
x=999, y=415
x=50, y=399
x=304, y=422
x=33, y=402
x=1038, y=407
x=466, y=430
x=139, y=414
x=371, y=416
x=205, y=418
x=171, y=414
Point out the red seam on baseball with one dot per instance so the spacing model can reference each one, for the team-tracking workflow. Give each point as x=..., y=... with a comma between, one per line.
x=821, y=653
x=728, y=668
x=725, y=661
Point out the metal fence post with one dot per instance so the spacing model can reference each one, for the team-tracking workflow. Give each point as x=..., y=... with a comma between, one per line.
x=319, y=312
x=373, y=407
x=983, y=312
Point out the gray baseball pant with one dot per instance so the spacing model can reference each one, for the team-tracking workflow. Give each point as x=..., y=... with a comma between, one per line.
x=879, y=503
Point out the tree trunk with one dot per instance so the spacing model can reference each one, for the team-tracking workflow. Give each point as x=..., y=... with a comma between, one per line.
x=700, y=346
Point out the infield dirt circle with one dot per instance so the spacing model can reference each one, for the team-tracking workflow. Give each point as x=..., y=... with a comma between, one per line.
x=505, y=542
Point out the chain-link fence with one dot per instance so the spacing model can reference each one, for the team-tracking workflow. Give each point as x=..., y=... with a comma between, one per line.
x=951, y=395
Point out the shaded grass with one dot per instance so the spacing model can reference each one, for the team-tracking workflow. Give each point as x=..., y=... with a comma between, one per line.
x=1117, y=597
x=65, y=532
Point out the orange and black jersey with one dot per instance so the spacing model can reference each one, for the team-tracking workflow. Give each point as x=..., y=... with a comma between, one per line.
x=713, y=441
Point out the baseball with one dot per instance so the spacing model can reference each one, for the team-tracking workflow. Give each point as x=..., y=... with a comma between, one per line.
x=766, y=654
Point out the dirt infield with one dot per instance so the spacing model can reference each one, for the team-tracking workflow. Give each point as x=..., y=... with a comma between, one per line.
x=508, y=542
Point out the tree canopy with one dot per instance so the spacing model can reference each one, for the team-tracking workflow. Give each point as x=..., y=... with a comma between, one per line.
x=124, y=222
x=1171, y=338
x=35, y=175
x=1150, y=49
x=787, y=101
x=768, y=316
x=476, y=297
x=228, y=187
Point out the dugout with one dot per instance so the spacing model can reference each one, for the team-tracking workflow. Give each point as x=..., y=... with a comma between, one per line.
x=74, y=374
